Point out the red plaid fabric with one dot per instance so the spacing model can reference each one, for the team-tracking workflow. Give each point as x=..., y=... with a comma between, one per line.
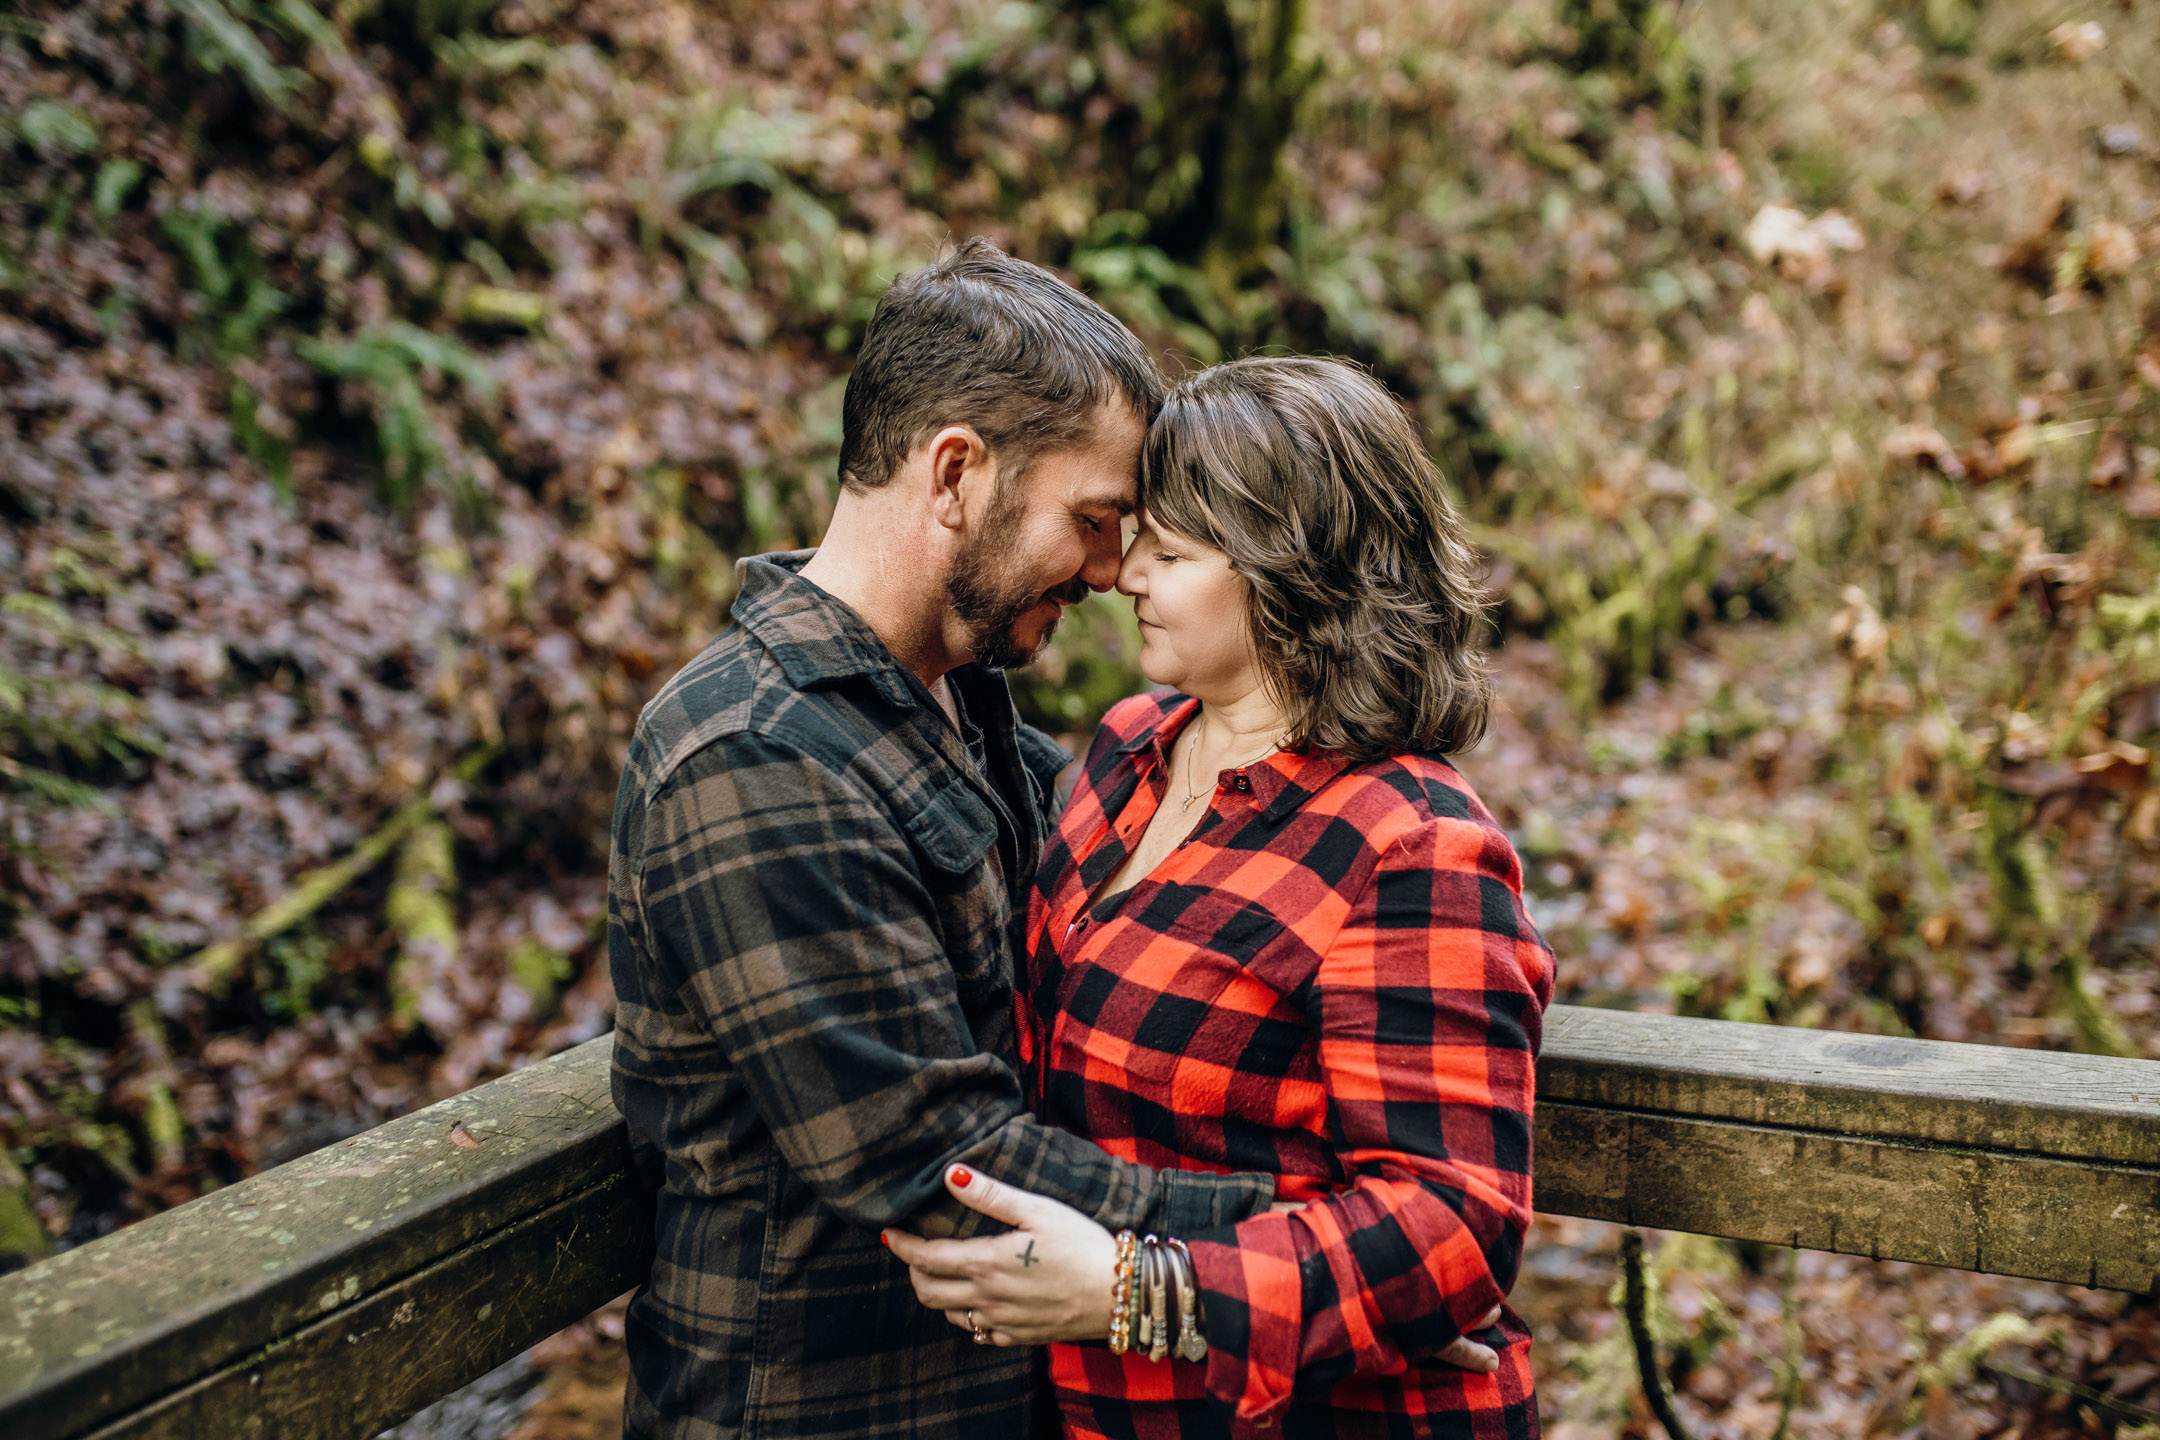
x=1333, y=979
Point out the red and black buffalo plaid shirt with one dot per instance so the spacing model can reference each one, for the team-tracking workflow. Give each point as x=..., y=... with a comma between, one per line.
x=1333, y=979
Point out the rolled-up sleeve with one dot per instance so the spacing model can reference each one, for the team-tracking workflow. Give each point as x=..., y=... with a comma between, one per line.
x=1427, y=1008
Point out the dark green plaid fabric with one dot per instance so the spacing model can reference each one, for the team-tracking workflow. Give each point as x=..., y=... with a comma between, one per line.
x=811, y=926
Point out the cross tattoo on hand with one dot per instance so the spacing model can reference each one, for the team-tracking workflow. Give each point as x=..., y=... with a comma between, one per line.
x=1027, y=1256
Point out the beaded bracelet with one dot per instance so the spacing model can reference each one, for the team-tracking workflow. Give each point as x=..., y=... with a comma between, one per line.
x=1121, y=1292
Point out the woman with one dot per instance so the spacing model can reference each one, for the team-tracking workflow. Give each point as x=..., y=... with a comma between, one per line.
x=1278, y=932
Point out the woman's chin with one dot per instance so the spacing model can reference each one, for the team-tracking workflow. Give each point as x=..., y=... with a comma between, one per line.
x=1157, y=674
x=1156, y=662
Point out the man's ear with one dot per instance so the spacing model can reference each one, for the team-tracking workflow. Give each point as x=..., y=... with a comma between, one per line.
x=959, y=462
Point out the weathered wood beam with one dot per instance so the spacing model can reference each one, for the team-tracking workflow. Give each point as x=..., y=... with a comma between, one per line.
x=329, y=1297
x=2014, y=1162
x=376, y=1361
x=335, y=1294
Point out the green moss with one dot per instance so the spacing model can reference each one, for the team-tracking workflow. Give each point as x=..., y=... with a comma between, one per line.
x=421, y=916
x=539, y=971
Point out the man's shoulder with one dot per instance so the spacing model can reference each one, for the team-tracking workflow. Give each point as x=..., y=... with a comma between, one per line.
x=736, y=692
x=711, y=697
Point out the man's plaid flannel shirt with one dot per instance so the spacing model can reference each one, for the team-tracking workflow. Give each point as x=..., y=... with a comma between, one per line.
x=811, y=919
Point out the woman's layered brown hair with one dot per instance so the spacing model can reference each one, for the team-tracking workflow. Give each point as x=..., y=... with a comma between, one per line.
x=1363, y=594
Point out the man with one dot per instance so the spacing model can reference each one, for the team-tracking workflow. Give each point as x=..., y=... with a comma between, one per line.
x=826, y=831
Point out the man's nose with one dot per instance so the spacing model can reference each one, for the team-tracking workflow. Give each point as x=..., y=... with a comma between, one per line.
x=1100, y=570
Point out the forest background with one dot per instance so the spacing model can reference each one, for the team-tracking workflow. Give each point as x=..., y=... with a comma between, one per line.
x=390, y=384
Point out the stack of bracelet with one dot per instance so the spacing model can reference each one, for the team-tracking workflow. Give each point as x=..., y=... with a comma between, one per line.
x=1121, y=1295
x=1155, y=1300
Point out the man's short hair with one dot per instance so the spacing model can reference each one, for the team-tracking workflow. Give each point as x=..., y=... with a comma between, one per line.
x=979, y=338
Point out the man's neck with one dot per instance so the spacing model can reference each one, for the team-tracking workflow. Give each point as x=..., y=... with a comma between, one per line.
x=877, y=559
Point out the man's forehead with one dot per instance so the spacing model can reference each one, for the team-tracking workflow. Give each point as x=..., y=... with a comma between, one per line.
x=1106, y=492
x=1100, y=479
x=1102, y=472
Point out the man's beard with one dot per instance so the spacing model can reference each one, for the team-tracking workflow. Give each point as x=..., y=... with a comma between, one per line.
x=990, y=602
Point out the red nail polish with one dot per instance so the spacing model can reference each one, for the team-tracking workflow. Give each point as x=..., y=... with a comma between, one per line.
x=962, y=1176
x=884, y=1239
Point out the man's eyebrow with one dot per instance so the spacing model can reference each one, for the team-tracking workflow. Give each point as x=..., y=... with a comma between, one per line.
x=1120, y=502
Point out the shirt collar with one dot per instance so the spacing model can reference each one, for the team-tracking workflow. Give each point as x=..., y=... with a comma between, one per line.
x=1280, y=782
x=1288, y=778
x=1160, y=736
x=813, y=637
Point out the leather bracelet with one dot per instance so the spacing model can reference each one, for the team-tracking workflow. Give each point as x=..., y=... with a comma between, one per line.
x=1121, y=1292
x=1180, y=1295
x=1140, y=1328
x=1159, y=1298
x=1190, y=1345
x=1143, y=1289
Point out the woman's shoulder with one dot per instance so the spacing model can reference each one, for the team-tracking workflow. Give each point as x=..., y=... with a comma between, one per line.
x=1141, y=713
x=1416, y=812
x=1404, y=792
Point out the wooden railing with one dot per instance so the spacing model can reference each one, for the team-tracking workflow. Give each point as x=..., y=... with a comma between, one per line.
x=335, y=1295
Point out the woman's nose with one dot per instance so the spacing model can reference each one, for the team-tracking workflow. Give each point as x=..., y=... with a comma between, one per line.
x=1131, y=579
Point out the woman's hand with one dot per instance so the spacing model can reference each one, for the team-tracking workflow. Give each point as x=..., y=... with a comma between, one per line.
x=1048, y=1278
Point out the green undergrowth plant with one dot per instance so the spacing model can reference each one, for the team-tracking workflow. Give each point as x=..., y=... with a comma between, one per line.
x=394, y=367
x=1607, y=1369
x=743, y=179
x=65, y=730
x=221, y=42
x=398, y=369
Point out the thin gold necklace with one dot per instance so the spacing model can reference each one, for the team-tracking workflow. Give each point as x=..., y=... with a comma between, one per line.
x=1192, y=792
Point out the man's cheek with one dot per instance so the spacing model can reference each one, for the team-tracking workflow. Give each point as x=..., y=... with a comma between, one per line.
x=1058, y=571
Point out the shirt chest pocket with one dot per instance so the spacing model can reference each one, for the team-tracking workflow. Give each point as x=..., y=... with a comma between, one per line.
x=953, y=836
x=1174, y=993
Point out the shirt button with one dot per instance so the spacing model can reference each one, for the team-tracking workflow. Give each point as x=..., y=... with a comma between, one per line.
x=1080, y=924
x=1243, y=784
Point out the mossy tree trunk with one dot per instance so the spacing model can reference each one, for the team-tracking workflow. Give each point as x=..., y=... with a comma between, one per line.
x=1617, y=34
x=1229, y=78
x=1639, y=43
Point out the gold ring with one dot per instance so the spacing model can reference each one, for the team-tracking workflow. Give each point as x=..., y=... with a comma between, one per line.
x=982, y=1336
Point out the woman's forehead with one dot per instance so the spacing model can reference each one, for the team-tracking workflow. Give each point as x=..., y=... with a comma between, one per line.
x=1151, y=525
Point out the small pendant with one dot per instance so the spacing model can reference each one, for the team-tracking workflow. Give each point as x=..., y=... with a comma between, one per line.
x=1191, y=1347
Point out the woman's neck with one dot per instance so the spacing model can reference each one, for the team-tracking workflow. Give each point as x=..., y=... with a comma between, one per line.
x=1238, y=726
